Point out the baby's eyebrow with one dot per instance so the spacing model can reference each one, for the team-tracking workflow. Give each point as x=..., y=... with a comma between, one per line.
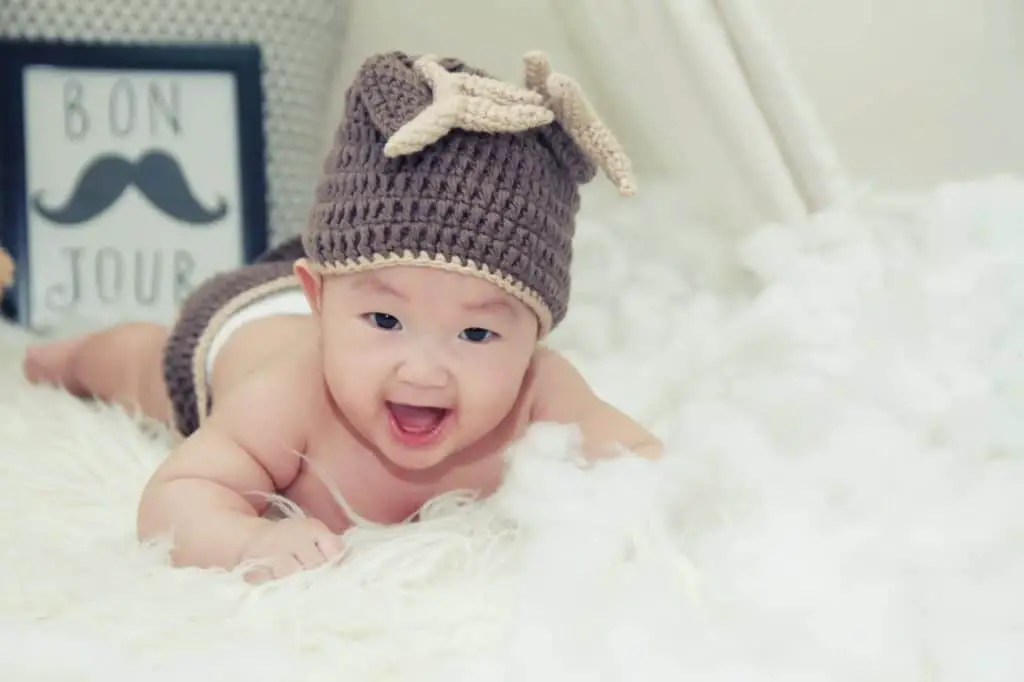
x=496, y=305
x=372, y=282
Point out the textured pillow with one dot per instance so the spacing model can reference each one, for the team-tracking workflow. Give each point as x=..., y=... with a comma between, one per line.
x=300, y=40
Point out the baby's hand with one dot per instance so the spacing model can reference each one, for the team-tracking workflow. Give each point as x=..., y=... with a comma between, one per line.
x=288, y=546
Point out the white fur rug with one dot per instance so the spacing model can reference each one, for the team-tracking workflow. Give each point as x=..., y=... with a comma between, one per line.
x=843, y=498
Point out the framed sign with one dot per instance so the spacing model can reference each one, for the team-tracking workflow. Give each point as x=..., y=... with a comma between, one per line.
x=129, y=174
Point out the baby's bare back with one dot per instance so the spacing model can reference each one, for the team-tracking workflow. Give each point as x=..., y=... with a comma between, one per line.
x=280, y=354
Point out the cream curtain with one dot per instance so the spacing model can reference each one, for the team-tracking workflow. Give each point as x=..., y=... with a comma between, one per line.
x=706, y=97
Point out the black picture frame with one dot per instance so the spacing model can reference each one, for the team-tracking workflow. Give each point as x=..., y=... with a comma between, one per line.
x=243, y=61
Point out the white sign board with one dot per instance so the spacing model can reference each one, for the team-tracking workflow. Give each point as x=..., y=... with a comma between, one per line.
x=133, y=190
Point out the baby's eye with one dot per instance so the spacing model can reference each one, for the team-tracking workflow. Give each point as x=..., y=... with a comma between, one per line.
x=476, y=334
x=383, y=321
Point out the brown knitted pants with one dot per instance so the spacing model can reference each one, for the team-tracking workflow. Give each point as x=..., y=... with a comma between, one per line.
x=192, y=329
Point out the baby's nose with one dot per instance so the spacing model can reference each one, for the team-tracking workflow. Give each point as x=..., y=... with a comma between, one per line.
x=423, y=372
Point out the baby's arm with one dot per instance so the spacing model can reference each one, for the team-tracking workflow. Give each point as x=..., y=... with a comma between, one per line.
x=207, y=493
x=562, y=395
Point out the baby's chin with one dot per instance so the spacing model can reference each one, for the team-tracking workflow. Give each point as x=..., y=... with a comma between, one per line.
x=416, y=461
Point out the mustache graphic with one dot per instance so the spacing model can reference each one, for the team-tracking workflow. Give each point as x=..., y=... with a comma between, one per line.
x=157, y=175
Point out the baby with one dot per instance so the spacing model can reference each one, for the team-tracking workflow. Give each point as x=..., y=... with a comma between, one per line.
x=393, y=351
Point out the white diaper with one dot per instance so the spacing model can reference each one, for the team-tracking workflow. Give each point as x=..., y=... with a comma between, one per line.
x=286, y=302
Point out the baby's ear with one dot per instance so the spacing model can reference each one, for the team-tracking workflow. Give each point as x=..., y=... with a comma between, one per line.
x=312, y=284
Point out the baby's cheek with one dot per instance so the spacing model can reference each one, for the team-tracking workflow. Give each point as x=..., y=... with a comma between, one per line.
x=345, y=377
x=355, y=379
x=495, y=389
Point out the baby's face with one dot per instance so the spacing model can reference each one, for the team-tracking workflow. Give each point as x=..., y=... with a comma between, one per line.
x=423, y=362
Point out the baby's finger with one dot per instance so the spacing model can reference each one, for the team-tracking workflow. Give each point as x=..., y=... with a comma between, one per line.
x=284, y=565
x=308, y=553
x=271, y=568
x=329, y=543
x=258, y=574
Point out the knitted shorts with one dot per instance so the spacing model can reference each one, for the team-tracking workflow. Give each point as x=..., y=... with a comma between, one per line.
x=203, y=314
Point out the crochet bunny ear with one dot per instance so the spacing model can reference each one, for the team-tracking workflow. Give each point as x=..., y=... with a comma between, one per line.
x=394, y=93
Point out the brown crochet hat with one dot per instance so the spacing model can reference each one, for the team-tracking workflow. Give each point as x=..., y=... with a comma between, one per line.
x=438, y=164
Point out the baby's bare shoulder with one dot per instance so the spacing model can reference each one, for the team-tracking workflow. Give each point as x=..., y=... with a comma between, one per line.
x=275, y=404
x=553, y=377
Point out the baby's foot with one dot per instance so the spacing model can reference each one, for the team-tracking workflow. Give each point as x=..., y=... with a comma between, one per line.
x=50, y=362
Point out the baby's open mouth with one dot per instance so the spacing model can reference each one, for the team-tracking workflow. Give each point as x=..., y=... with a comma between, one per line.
x=417, y=424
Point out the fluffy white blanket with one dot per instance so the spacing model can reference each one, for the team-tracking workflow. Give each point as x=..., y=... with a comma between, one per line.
x=843, y=497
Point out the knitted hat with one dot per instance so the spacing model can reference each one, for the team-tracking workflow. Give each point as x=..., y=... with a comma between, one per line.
x=438, y=164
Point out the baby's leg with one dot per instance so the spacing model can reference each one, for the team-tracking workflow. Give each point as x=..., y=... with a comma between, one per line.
x=121, y=365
